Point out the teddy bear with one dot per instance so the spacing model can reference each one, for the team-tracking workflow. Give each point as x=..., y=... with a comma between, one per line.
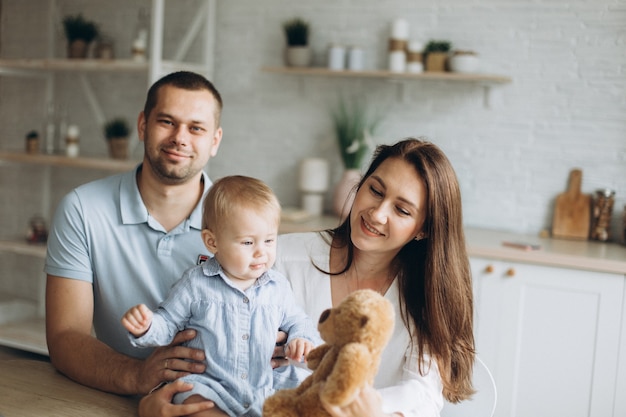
x=355, y=334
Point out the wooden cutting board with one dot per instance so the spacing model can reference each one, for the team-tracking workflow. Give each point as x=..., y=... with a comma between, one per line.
x=572, y=210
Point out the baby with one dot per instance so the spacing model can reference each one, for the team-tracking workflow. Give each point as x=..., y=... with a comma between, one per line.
x=235, y=302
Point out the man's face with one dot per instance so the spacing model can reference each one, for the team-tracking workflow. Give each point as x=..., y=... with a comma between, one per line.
x=180, y=134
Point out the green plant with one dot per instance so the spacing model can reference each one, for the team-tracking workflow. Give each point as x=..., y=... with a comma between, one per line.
x=77, y=27
x=354, y=126
x=116, y=128
x=297, y=32
x=438, y=46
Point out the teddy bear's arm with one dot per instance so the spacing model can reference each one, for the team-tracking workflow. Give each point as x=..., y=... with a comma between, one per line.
x=315, y=356
x=350, y=372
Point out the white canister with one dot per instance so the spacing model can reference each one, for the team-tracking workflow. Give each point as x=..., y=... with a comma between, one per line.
x=400, y=29
x=336, y=57
x=397, y=61
x=356, y=59
x=72, y=148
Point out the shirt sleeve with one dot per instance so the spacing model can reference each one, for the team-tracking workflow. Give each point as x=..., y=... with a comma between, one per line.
x=171, y=317
x=68, y=252
x=415, y=395
x=296, y=323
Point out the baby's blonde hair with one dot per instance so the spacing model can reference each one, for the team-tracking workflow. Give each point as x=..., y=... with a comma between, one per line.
x=238, y=191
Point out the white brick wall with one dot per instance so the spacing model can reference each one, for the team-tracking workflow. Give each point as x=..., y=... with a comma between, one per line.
x=566, y=106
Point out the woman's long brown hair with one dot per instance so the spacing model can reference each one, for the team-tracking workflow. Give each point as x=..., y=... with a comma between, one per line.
x=434, y=274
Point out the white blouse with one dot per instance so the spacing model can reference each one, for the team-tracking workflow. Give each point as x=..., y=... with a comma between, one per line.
x=402, y=387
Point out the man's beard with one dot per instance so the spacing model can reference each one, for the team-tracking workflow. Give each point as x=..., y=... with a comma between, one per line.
x=171, y=173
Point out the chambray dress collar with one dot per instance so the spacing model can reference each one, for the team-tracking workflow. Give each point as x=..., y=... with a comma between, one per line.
x=212, y=268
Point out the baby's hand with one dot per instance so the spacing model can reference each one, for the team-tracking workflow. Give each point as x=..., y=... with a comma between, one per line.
x=298, y=349
x=137, y=320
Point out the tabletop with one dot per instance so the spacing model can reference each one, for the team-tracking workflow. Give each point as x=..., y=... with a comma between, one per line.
x=31, y=388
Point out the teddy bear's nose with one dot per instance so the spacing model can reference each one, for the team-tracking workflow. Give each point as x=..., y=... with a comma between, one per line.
x=324, y=315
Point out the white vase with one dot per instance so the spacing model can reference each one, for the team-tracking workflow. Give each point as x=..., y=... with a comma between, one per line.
x=345, y=191
x=298, y=56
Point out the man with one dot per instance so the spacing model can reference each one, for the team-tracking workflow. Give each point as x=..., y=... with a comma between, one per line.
x=125, y=239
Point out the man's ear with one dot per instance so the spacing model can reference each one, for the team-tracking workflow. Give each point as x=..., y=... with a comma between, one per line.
x=208, y=237
x=141, y=126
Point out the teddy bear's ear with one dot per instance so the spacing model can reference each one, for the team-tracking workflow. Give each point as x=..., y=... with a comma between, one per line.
x=364, y=321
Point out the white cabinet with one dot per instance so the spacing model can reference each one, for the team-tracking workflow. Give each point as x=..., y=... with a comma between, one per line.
x=551, y=337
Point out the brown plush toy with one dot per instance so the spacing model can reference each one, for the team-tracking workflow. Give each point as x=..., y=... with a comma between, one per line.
x=355, y=332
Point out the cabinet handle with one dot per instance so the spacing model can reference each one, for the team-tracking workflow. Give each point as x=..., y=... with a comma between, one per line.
x=510, y=272
x=489, y=269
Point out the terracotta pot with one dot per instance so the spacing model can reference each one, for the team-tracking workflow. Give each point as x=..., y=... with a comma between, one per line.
x=345, y=191
x=118, y=148
x=298, y=56
x=77, y=49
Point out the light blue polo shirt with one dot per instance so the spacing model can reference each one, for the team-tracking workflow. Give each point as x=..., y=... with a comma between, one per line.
x=102, y=233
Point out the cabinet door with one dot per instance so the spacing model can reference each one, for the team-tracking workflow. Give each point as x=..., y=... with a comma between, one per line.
x=550, y=337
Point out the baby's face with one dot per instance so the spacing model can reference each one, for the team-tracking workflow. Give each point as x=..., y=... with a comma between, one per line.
x=246, y=244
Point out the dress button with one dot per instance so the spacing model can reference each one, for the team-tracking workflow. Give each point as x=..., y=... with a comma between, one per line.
x=245, y=336
x=244, y=376
x=246, y=300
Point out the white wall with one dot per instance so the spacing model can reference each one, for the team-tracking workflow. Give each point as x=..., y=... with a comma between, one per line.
x=566, y=106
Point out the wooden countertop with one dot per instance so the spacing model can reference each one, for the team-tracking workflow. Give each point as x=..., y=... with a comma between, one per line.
x=34, y=388
x=576, y=254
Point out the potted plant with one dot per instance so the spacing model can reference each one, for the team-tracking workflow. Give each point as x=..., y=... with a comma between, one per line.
x=354, y=126
x=116, y=132
x=437, y=54
x=79, y=33
x=298, y=52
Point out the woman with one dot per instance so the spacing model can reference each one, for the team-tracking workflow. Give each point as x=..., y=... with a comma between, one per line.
x=403, y=238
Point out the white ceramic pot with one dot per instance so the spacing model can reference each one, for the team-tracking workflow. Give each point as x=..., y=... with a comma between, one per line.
x=463, y=63
x=298, y=56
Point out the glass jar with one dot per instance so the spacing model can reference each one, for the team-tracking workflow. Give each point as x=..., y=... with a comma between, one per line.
x=602, y=211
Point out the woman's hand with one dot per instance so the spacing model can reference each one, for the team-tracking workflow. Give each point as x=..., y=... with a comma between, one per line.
x=171, y=362
x=159, y=402
x=367, y=403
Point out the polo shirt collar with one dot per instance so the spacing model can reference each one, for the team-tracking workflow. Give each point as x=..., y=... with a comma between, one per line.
x=134, y=211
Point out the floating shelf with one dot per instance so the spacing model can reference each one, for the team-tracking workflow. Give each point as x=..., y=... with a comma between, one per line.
x=79, y=162
x=432, y=76
x=90, y=65
x=21, y=247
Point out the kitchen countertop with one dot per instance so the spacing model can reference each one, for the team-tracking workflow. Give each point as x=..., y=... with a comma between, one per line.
x=576, y=254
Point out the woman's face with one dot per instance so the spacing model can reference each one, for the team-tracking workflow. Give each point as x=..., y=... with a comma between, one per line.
x=389, y=209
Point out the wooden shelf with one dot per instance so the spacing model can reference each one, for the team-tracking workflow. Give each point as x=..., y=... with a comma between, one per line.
x=429, y=76
x=28, y=335
x=91, y=65
x=64, y=161
x=73, y=65
x=21, y=247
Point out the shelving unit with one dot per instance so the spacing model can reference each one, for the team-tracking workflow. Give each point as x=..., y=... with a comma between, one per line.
x=21, y=321
x=22, y=324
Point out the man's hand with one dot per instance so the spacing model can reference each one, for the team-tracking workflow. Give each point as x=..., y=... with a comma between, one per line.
x=159, y=402
x=278, y=357
x=171, y=362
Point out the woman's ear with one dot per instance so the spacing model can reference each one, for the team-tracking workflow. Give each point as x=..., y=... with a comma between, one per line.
x=208, y=237
x=420, y=236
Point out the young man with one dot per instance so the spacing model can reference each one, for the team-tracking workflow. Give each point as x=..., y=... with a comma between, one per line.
x=131, y=236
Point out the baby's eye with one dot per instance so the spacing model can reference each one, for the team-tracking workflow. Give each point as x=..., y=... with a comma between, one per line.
x=269, y=241
x=247, y=242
